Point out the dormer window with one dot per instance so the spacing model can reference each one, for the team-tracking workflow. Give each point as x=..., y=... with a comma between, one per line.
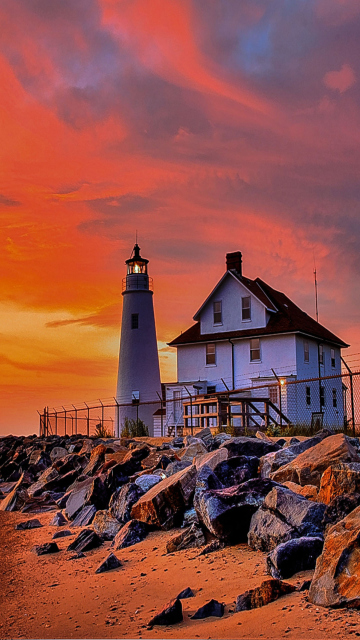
x=246, y=308
x=217, y=308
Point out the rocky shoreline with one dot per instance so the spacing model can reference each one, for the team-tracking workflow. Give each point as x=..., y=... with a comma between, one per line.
x=296, y=502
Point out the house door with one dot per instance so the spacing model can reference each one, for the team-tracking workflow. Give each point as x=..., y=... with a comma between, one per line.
x=177, y=405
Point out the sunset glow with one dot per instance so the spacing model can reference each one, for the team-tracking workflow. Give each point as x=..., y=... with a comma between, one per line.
x=208, y=126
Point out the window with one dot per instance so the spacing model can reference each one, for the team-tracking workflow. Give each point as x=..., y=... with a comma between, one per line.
x=306, y=351
x=322, y=396
x=135, y=397
x=273, y=394
x=254, y=349
x=308, y=396
x=211, y=389
x=321, y=354
x=134, y=320
x=246, y=308
x=210, y=353
x=334, y=398
x=332, y=355
x=217, y=312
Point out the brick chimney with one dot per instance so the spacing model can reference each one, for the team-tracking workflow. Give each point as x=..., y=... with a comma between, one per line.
x=234, y=262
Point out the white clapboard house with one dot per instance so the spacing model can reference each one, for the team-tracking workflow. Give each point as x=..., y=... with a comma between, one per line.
x=249, y=336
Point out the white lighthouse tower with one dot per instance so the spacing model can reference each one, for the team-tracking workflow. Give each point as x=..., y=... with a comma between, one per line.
x=139, y=374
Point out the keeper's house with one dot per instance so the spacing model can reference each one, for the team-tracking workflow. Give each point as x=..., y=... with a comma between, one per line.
x=249, y=336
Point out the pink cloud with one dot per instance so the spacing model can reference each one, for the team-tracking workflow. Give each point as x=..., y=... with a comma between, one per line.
x=340, y=80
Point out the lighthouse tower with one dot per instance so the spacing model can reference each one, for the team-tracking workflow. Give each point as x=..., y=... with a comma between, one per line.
x=139, y=374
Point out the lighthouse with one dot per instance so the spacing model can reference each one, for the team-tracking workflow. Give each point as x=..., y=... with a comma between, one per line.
x=139, y=373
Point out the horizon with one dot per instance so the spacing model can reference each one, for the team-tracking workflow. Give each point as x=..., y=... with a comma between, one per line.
x=205, y=128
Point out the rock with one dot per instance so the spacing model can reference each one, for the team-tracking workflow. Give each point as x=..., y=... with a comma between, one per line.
x=111, y=562
x=336, y=581
x=211, y=608
x=43, y=549
x=84, y=517
x=185, y=593
x=177, y=443
x=284, y=515
x=120, y=474
x=105, y=525
x=63, y=533
x=211, y=459
x=339, y=508
x=244, y=446
x=190, y=517
x=176, y=466
x=305, y=586
x=58, y=520
x=226, y=513
x=90, y=491
x=339, y=479
x=220, y=438
x=131, y=533
x=292, y=556
x=206, y=436
x=122, y=501
x=170, y=614
x=188, y=538
x=262, y=436
x=308, y=490
x=215, y=545
x=17, y=497
x=97, y=458
x=164, y=505
x=146, y=482
x=236, y=470
x=308, y=467
x=273, y=461
x=193, y=450
x=28, y=524
x=85, y=540
x=58, y=452
x=268, y=591
x=76, y=556
x=156, y=459
x=281, y=442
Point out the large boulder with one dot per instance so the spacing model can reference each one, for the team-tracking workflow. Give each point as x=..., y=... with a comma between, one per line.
x=146, y=482
x=195, y=449
x=292, y=556
x=105, y=525
x=18, y=496
x=339, y=479
x=227, y=512
x=271, y=462
x=237, y=469
x=131, y=533
x=84, y=517
x=244, y=446
x=85, y=541
x=211, y=459
x=336, y=581
x=308, y=467
x=164, y=505
x=339, y=508
x=90, y=491
x=284, y=515
x=170, y=614
x=308, y=490
x=97, y=458
x=58, y=452
x=122, y=501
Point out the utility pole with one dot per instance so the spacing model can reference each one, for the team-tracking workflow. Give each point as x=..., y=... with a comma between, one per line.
x=316, y=293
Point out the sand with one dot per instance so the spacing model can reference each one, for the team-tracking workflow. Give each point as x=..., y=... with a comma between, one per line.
x=54, y=597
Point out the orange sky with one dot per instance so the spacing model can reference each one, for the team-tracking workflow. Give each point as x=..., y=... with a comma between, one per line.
x=207, y=126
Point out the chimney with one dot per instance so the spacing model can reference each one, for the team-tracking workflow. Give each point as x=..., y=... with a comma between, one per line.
x=233, y=262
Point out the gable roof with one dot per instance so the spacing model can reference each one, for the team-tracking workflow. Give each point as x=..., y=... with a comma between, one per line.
x=251, y=285
x=289, y=318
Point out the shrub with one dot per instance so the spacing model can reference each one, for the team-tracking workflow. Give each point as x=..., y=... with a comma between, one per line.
x=102, y=432
x=134, y=429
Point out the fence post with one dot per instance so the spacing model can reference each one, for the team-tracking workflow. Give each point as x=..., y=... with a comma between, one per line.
x=75, y=418
x=102, y=413
x=280, y=396
x=65, y=417
x=161, y=414
x=351, y=395
x=117, y=419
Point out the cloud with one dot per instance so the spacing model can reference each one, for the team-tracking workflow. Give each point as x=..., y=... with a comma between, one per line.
x=8, y=202
x=107, y=317
x=341, y=80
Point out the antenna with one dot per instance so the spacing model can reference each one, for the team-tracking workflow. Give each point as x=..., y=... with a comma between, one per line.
x=136, y=236
x=316, y=293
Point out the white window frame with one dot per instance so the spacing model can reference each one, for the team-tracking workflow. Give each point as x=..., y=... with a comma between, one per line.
x=243, y=308
x=306, y=352
x=255, y=349
x=210, y=354
x=321, y=354
x=217, y=311
x=332, y=358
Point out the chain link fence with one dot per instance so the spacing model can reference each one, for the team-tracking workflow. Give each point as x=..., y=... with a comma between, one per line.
x=288, y=406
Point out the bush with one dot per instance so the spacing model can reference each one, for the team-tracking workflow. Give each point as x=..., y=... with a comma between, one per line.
x=102, y=432
x=134, y=429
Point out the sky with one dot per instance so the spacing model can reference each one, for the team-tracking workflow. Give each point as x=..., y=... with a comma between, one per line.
x=208, y=126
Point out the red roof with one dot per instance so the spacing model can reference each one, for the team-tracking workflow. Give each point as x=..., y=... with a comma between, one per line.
x=289, y=318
